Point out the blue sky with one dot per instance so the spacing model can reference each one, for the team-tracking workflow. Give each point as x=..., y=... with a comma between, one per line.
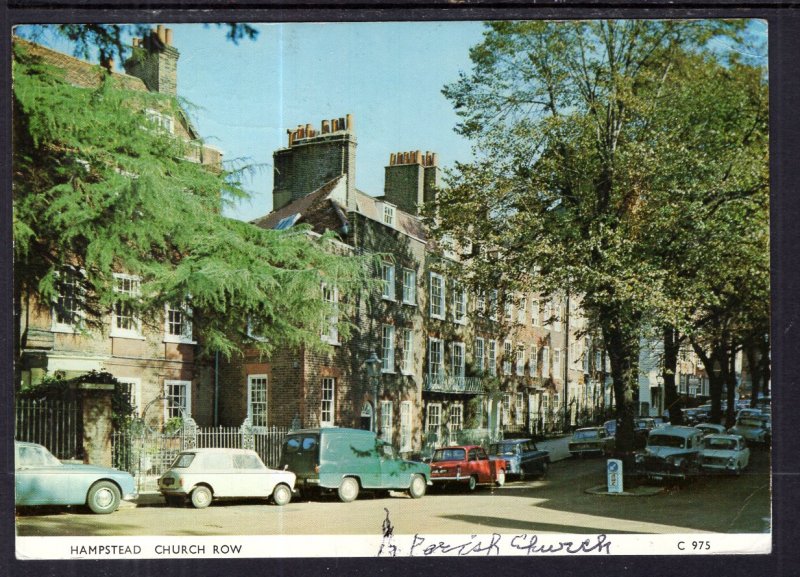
x=388, y=75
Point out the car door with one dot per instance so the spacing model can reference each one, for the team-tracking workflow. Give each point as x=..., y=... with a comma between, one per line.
x=216, y=469
x=480, y=461
x=37, y=482
x=252, y=479
x=394, y=473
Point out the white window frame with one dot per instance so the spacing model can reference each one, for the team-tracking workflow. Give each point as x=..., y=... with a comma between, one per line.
x=508, y=310
x=185, y=335
x=116, y=331
x=557, y=362
x=534, y=360
x=535, y=313
x=252, y=382
x=522, y=311
x=492, y=365
x=135, y=384
x=409, y=286
x=386, y=420
x=387, y=349
x=507, y=352
x=458, y=360
x=163, y=121
x=330, y=332
x=168, y=413
x=436, y=296
x=519, y=415
x=388, y=214
x=455, y=422
x=492, y=304
x=327, y=409
x=387, y=276
x=439, y=344
x=520, y=360
x=407, y=365
x=559, y=312
x=67, y=277
x=406, y=426
x=505, y=410
x=548, y=313
x=459, y=305
x=545, y=362
x=480, y=351
x=433, y=421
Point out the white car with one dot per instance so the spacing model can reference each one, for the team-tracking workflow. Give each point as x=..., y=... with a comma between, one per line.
x=207, y=474
x=711, y=429
x=724, y=453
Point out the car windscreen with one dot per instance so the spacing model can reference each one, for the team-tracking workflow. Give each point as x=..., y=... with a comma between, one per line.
x=502, y=449
x=719, y=444
x=592, y=434
x=750, y=422
x=666, y=441
x=449, y=455
x=183, y=461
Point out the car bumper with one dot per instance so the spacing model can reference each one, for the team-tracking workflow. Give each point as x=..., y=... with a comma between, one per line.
x=130, y=496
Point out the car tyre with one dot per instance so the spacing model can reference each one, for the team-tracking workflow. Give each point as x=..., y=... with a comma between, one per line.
x=281, y=495
x=521, y=474
x=103, y=497
x=201, y=497
x=545, y=468
x=417, y=487
x=501, y=478
x=348, y=490
x=472, y=483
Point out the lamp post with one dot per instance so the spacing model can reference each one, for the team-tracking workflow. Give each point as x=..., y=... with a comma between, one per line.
x=374, y=374
x=660, y=389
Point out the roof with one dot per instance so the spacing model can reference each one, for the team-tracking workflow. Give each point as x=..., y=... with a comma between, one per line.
x=367, y=206
x=511, y=441
x=677, y=430
x=301, y=206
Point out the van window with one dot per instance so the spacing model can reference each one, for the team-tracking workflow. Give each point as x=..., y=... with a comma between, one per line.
x=250, y=462
x=217, y=462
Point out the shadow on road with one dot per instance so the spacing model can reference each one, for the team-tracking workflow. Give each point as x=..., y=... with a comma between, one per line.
x=499, y=523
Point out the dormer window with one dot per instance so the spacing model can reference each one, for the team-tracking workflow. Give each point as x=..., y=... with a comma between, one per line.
x=388, y=214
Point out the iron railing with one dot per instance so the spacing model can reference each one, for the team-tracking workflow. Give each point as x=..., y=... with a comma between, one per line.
x=54, y=423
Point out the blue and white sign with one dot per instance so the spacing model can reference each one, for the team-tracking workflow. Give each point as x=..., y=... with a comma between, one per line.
x=614, y=471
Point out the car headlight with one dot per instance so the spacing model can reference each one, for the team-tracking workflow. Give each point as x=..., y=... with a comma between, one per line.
x=639, y=458
x=732, y=461
x=675, y=461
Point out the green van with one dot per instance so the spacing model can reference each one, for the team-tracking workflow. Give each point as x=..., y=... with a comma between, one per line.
x=349, y=460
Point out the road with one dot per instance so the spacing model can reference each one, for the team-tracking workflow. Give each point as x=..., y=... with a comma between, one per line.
x=557, y=504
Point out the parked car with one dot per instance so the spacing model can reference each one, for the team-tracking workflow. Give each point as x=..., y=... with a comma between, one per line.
x=611, y=428
x=207, y=474
x=348, y=460
x=641, y=428
x=661, y=421
x=591, y=440
x=41, y=479
x=693, y=416
x=522, y=457
x=466, y=465
x=749, y=412
x=755, y=428
x=724, y=453
x=671, y=452
x=710, y=429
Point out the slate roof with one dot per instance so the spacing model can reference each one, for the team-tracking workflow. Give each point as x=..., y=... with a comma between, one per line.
x=299, y=206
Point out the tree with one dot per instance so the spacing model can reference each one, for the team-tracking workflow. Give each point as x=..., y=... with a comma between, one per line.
x=98, y=189
x=576, y=152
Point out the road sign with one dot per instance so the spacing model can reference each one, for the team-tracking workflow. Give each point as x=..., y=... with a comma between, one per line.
x=614, y=472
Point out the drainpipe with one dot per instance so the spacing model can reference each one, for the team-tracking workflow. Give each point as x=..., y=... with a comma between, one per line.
x=216, y=388
x=566, y=363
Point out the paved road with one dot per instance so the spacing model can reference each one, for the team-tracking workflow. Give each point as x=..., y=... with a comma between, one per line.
x=557, y=504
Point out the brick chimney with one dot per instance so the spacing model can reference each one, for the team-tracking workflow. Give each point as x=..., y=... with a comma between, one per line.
x=155, y=61
x=313, y=158
x=411, y=179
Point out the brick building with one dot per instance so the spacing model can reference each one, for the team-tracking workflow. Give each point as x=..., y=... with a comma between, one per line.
x=450, y=360
x=155, y=356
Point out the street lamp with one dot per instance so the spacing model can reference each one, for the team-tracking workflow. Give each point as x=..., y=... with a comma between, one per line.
x=374, y=365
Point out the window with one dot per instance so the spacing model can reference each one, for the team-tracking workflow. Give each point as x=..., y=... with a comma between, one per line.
x=587, y=348
x=405, y=426
x=161, y=120
x=534, y=365
x=558, y=311
x=492, y=358
x=456, y=422
x=326, y=414
x=479, y=356
x=387, y=349
x=458, y=360
x=520, y=360
x=548, y=312
x=535, y=313
x=522, y=311
x=387, y=275
x=519, y=416
x=330, y=330
x=177, y=327
x=386, y=421
x=434, y=423
x=407, y=367
x=257, y=400
x=177, y=399
x=252, y=331
x=437, y=296
x=388, y=214
x=493, y=305
x=505, y=409
x=508, y=309
x=124, y=322
x=545, y=362
x=133, y=391
x=459, y=305
x=507, y=358
x=545, y=403
x=480, y=304
x=557, y=362
x=67, y=312
x=409, y=286
x=435, y=361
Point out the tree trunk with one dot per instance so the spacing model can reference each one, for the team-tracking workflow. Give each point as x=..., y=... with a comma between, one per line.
x=753, y=368
x=765, y=366
x=623, y=351
x=672, y=401
x=730, y=413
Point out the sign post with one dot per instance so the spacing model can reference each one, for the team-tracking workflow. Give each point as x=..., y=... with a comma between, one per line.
x=614, y=472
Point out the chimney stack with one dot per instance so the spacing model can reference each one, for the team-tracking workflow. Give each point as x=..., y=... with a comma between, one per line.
x=155, y=61
x=411, y=179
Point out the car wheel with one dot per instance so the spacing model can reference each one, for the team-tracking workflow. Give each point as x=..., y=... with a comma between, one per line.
x=281, y=495
x=417, y=487
x=501, y=478
x=201, y=497
x=348, y=490
x=545, y=467
x=521, y=474
x=472, y=483
x=174, y=501
x=103, y=497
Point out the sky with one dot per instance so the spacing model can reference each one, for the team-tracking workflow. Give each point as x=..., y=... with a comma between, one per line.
x=388, y=75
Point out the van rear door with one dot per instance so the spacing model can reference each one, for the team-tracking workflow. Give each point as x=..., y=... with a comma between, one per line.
x=300, y=453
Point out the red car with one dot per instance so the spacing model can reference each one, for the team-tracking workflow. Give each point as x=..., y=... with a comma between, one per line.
x=468, y=465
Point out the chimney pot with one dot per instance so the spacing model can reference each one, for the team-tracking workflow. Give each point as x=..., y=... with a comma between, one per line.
x=349, y=126
x=168, y=36
x=391, y=159
x=309, y=131
x=135, y=42
x=326, y=126
x=434, y=159
x=418, y=157
x=160, y=33
x=342, y=125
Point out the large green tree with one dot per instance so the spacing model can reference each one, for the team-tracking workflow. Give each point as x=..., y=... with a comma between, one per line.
x=98, y=189
x=578, y=148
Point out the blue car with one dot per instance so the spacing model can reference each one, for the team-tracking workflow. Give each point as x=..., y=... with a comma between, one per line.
x=41, y=479
x=522, y=456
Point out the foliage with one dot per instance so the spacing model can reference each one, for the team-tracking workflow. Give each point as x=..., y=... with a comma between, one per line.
x=594, y=142
x=99, y=188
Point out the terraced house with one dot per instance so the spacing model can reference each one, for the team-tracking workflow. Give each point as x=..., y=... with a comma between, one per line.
x=452, y=363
